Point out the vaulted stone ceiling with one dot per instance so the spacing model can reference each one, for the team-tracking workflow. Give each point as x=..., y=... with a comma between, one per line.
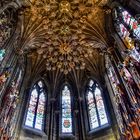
x=63, y=37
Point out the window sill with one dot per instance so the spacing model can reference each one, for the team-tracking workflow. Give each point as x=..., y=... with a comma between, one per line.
x=99, y=129
x=34, y=131
x=69, y=136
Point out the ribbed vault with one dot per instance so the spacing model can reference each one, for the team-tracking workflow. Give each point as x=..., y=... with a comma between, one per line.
x=63, y=39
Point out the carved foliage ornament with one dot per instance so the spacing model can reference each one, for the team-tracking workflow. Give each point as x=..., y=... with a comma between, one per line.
x=62, y=21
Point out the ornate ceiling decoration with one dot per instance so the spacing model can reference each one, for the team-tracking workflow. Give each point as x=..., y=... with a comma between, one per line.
x=63, y=32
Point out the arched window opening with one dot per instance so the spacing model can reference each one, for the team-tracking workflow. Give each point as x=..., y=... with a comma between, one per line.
x=95, y=104
x=128, y=28
x=36, y=108
x=123, y=17
x=66, y=110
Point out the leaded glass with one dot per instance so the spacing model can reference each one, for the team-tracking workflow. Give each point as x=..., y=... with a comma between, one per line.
x=31, y=109
x=132, y=23
x=96, y=110
x=40, y=112
x=126, y=17
x=128, y=21
x=66, y=111
x=100, y=107
x=92, y=111
x=113, y=79
x=123, y=31
x=2, y=54
x=36, y=108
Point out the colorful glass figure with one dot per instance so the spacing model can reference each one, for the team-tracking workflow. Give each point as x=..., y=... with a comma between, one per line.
x=132, y=23
x=129, y=21
x=128, y=26
x=96, y=110
x=66, y=111
x=2, y=53
x=36, y=108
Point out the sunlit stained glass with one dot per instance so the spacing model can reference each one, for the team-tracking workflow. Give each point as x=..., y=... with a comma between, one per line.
x=129, y=21
x=40, y=111
x=100, y=107
x=36, y=108
x=126, y=17
x=96, y=110
x=123, y=31
x=132, y=23
x=31, y=110
x=92, y=111
x=66, y=111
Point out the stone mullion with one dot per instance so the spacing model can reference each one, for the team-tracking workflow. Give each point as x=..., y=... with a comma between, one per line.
x=51, y=123
x=76, y=113
x=56, y=125
x=81, y=115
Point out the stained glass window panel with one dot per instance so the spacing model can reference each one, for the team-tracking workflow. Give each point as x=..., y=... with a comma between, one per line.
x=95, y=104
x=2, y=54
x=126, y=17
x=124, y=32
x=36, y=109
x=66, y=111
x=113, y=79
x=100, y=107
x=92, y=111
x=40, y=112
x=31, y=109
x=130, y=21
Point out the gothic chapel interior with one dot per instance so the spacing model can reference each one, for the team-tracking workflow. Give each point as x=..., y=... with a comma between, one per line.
x=69, y=69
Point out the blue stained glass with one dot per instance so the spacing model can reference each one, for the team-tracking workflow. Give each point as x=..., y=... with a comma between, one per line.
x=2, y=53
x=66, y=111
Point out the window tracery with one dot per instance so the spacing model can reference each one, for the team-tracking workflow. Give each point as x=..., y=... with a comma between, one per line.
x=36, y=109
x=66, y=110
x=95, y=104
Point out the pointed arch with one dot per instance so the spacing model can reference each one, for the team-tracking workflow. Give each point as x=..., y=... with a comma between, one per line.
x=97, y=114
x=35, y=115
x=66, y=110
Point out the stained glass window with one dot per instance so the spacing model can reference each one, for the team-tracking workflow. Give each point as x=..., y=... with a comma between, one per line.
x=66, y=110
x=35, y=114
x=128, y=21
x=96, y=109
x=2, y=54
x=127, y=26
x=123, y=31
